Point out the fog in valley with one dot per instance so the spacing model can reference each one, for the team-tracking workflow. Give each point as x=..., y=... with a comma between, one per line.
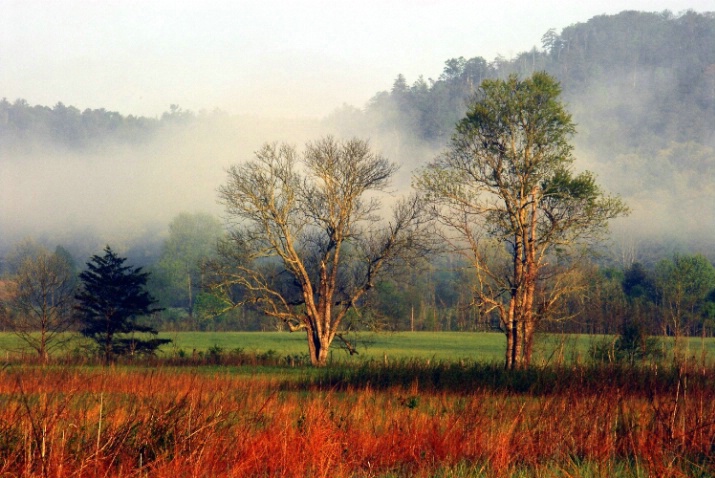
x=118, y=193
x=666, y=178
x=126, y=195
x=85, y=192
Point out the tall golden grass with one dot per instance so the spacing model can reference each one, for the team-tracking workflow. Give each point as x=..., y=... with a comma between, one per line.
x=180, y=422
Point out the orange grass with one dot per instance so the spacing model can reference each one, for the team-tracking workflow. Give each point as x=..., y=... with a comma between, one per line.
x=125, y=422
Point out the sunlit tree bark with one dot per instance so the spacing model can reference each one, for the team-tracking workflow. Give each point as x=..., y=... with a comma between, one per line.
x=308, y=240
x=506, y=189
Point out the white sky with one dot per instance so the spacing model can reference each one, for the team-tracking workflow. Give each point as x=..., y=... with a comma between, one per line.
x=264, y=57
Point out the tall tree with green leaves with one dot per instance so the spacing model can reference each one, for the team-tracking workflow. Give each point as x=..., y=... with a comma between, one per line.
x=506, y=197
x=112, y=299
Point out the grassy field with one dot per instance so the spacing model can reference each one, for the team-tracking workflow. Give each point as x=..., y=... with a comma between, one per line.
x=174, y=422
x=441, y=405
x=436, y=346
x=397, y=345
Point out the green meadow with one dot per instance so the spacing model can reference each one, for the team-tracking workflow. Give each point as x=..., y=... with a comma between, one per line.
x=429, y=346
x=438, y=346
x=397, y=345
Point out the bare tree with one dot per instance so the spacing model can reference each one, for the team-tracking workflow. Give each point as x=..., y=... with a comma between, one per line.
x=38, y=304
x=505, y=193
x=309, y=241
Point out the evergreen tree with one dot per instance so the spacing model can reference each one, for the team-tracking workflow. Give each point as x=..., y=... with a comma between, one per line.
x=112, y=299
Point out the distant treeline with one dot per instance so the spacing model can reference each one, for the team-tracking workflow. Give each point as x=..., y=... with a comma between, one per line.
x=642, y=79
x=22, y=124
x=633, y=80
x=676, y=296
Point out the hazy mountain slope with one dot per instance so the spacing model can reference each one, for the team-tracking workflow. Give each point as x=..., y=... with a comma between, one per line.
x=641, y=87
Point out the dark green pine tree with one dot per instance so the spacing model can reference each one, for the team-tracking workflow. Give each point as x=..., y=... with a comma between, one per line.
x=112, y=299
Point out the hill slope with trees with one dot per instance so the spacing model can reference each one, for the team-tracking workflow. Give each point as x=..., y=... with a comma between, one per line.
x=641, y=88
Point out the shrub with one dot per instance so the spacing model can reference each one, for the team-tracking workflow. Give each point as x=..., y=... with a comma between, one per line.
x=632, y=345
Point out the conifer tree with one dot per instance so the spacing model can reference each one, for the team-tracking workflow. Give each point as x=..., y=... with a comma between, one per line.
x=112, y=299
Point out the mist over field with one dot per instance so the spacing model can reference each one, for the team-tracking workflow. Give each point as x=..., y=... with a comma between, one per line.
x=119, y=193
x=644, y=108
x=126, y=195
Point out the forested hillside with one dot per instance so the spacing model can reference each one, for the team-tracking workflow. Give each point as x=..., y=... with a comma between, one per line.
x=637, y=79
x=641, y=88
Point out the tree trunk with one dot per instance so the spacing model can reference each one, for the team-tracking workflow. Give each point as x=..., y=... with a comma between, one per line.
x=510, y=340
x=44, y=356
x=318, y=348
x=529, y=328
x=512, y=335
x=518, y=360
x=108, y=350
x=528, y=317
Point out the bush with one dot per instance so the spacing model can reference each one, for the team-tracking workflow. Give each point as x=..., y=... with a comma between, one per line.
x=631, y=346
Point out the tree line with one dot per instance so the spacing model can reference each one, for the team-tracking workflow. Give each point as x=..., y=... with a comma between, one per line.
x=23, y=125
x=500, y=215
x=674, y=296
x=317, y=252
x=311, y=240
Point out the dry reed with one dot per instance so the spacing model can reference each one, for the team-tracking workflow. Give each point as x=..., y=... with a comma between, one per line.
x=131, y=422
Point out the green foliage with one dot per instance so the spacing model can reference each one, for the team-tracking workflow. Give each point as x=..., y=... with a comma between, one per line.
x=110, y=303
x=178, y=275
x=633, y=345
x=638, y=283
x=208, y=305
x=684, y=284
x=506, y=182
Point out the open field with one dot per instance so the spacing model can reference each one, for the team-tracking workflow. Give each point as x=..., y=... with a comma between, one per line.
x=175, y=422
x=396, y=345
x=437, y=346
x=441, y=405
